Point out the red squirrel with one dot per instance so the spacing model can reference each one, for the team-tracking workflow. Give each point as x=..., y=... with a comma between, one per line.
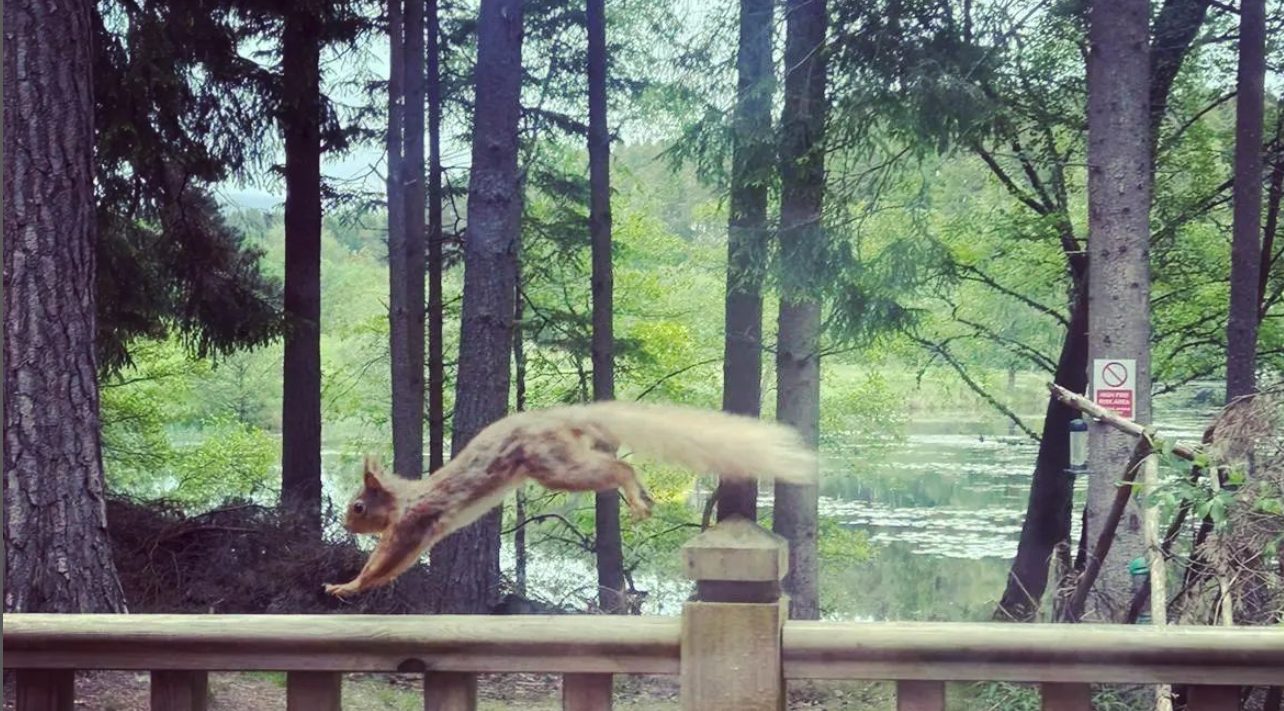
x=570, y=448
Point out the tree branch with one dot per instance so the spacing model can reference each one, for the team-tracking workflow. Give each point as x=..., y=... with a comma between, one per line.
x=943, y=352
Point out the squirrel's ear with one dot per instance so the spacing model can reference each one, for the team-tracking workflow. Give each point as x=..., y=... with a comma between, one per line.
x=372, y=473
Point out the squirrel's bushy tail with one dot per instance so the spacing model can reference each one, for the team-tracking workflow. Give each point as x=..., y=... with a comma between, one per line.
x=705, y=441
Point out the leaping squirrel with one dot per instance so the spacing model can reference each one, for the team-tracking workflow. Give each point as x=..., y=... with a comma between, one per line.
x=570, y=448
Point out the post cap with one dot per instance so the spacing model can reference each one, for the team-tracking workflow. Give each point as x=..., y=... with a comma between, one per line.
x=738, y=550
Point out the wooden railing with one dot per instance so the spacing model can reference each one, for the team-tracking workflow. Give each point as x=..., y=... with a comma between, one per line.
x=731, y=649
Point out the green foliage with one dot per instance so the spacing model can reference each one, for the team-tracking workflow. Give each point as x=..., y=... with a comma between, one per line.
x=158, y=445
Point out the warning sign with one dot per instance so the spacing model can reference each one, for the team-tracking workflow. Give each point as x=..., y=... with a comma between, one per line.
x=1114, y=384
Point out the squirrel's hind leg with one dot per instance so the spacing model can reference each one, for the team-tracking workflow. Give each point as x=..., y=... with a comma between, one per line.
x=595, y=470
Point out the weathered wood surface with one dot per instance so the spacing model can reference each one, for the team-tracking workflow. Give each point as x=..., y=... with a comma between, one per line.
x=1065, y=697
x=313, y=691
x=587, y=692
x=642, y=645
x=731, y=656
x=1214, y=698
x=1035, y=652
x=179, y=690
x=920, y=696
x=45, y=689
x=450, y=691
x=553, y=643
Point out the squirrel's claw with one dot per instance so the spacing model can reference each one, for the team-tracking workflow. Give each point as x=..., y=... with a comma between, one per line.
x=343, y=590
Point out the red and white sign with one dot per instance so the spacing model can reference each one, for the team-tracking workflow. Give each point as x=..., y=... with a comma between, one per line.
x=1114, y=384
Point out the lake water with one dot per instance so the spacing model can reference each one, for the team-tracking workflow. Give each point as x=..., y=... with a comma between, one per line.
x=941, y=507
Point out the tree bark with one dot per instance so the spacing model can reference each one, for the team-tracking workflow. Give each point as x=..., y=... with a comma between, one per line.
x=607, y=545
x=802, y=188
x=1119, y=191
x=436, y=363
x=465, y=566
x=301, y=404
x=57, y=553
x=752, y=156
x=1050, y=508
x=406, y=255
x=1176, y=26
x=519, y=392
x=1246, y=246
x=397, y=325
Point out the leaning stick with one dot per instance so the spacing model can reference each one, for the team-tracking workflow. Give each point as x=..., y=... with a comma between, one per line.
x=1123, y=424
x=1074, y=608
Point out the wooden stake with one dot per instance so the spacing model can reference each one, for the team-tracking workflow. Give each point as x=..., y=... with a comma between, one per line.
x=1158, y=571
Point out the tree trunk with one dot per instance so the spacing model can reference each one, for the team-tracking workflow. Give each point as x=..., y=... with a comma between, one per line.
x=57, y=553
x=301, y=402
x=406, y=257
x=1246, y=247
x=397, y=326
x=1119, y=186
x=607, y=544
x=465, y=566
x=1176, y=26
x=519, y=392
x=1051, y=504
x=436, y=364
x=802, y=188
x=752, y=154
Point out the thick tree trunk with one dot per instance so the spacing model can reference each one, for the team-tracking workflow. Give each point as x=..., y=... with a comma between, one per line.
x=1246, y=247
x=57, y=553
x=752, y=154
x=802, y=188
x=1119, y=187
x=301, y=403
x=397, y=325
x=1176, y=27
x=465, y=566
x=608, y=547
x=436, y=364
x=406, y=257
x=1047, y=518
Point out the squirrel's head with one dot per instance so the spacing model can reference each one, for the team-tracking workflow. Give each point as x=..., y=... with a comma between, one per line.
x=374, y=508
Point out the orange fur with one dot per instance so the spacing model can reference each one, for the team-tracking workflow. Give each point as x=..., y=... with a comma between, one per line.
x=568, y=449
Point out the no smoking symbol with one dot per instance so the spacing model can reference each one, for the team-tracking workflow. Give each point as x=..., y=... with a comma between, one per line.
x=1114, y=374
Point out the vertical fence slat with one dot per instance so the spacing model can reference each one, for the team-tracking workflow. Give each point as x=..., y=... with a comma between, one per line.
x=920, y=696
x=45, y=689
x=450, y=691
x=179, y=690
x=586, y=692
x=1213, y=698
x=313, y=691
x=1067, y=697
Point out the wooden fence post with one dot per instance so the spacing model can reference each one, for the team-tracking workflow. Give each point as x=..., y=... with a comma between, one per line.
x=45, y=689
x=731, y=632
x=175, y=690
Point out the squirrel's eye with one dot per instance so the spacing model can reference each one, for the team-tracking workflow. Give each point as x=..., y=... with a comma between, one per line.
x=358, y=508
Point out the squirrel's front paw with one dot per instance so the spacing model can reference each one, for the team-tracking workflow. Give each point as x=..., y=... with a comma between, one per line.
x=343, y=590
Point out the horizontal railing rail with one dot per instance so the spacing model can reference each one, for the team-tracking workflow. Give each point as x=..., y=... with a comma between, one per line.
x=956, y=651
x=732, y=648
x=353, y=643
x=961, y=651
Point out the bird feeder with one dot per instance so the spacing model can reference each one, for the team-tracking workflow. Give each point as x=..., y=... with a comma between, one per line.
x=1078, y=446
